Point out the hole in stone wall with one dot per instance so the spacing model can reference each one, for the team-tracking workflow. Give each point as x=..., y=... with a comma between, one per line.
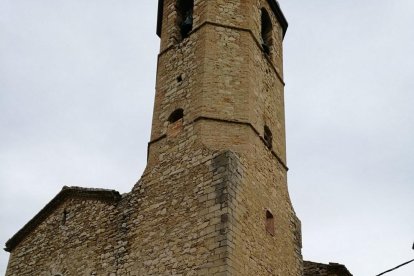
x=270, y=223
x=180, y=78
x=185, y=10
x=266, y=31
x=268, y=137
x=178, y=114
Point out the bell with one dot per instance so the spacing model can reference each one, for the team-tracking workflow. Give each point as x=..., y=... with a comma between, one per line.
x=187, y=25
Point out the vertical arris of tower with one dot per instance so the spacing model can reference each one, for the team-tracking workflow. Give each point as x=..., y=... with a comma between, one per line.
x=213, y=199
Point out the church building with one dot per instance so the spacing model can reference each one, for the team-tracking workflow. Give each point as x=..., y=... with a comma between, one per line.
x=213, y=199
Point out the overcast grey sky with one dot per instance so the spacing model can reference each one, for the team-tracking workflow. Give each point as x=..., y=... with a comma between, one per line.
x=76, y=94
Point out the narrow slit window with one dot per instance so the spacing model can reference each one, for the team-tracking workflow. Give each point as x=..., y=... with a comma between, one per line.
x=185, y=9
x=64, y=217
x=266, y=31
x=268, y=137
x=176, y=116
x=270, y=223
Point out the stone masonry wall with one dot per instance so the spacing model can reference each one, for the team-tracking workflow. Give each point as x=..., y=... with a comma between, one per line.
x=179, y=217
x=196, y=214
x=83, y=243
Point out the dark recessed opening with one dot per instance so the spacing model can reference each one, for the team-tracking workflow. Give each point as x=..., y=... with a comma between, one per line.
x=266, y=31
x=64, y=217
x=270, y=223
x=268, y=137
x=179, y=78
x=185, y=10
x=176, y=115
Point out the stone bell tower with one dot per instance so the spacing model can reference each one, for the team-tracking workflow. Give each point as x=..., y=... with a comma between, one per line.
x=216, y=179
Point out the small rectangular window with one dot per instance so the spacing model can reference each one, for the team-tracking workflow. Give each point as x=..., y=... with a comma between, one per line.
x=270, y=223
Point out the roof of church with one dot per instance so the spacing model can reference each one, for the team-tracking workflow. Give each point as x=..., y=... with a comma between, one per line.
x=318, y=269
x=273, y=4
x=65, y=193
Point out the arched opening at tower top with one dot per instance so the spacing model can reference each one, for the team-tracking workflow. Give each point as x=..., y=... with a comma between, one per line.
x=266, y=31
x=185, y=10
